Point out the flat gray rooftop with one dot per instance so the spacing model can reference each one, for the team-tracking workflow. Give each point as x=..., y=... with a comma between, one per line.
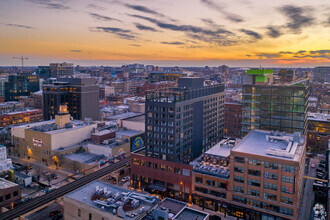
x=256, y=143
x=191, y=214
x=123, y=116
x=129, y=133
x=86, y=194
x=84, y=157
x=172, y=205
x=221, y=148
x=140, y=118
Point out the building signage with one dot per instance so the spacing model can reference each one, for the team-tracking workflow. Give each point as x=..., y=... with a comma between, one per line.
x=37, y=142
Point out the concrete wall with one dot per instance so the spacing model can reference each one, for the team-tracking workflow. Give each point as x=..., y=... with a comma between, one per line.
x=139, y=126
x=71, y=137
x=71, y=211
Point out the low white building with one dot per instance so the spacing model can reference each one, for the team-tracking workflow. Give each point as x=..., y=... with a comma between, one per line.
x=5, y=163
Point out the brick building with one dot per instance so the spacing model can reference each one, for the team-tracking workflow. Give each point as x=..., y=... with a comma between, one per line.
x=233, y=120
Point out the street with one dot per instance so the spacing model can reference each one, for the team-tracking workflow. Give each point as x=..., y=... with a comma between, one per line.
x=308, y=197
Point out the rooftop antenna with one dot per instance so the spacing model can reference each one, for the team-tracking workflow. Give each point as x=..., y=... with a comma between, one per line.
x=22, y=59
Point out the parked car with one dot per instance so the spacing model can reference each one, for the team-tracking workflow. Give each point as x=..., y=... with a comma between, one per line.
x=322, y=165
x=320, y=170
x=125, y=179
x=312, y=165
x=45, y=173
x=322, y=161
x=54, y=175
x=58, y=216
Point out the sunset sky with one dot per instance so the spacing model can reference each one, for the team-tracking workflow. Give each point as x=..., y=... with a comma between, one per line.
x=166, y=32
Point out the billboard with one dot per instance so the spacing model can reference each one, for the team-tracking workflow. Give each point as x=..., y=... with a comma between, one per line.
x=37, y=142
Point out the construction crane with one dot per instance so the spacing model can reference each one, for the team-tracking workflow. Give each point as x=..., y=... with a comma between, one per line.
x=22, y=59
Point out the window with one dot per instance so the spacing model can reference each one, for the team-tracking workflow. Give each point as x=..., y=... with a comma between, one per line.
x=286, y=189
x=286, y=200
x=185, y=172
x=238, y=199
x=162, y=167
x=270, y=186
x=239, y=189
x=239, y=179
x=136, y=161
x=254, y=182
x=270, y=196
x=222, y=185
x=239, y=169
x=79, y=213
x=272, y=176
x=15, y=193
x=176, y=170
x=210, y=182
x=239, y=160
x=253, y=202
x=287, y=168
x=155, y=166
x=199, y=180
x=253, y=192
x=254, y=162
x=254, y=172
x=170, y=169
x=149, y=164
x=8, y=196
x=287, y=179
x=143, y=162
x=1, y=198
x=90, y=216
x=286, y=211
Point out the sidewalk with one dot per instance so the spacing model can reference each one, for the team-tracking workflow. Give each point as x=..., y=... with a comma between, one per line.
x=41, y=165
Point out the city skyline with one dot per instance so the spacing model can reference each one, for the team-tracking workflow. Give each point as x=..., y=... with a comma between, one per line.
x=187, y=33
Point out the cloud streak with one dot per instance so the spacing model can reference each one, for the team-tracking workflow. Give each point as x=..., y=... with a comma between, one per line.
x=119, y=32
x=254, y=34
x=144, y=27
x=75, y=51
x=172, y=43
x=20, y=26
x=102, y=17
x=51, y=4
x=229, y=16
x=273, y=32
x=298, y=17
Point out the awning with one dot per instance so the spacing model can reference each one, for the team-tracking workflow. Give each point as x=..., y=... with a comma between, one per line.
x=157, y=187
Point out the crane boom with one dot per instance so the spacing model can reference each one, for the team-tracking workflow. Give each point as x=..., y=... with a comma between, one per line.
x=22, y=59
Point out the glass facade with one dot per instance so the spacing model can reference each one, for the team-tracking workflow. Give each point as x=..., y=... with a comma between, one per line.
x=280, y=108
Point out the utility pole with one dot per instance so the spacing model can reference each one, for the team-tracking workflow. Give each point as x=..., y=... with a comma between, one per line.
x=22, y=59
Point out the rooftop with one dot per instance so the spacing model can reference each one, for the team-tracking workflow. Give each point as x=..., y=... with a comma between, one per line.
x=129, y=133
x=192, y=214
x=124, y=116
x=4, y=184
x=85, y=157
x=140, y=118
x=52, y=128
x=272, y=144
x=222, y=148
x=104, y=132
x=114, y=200
x=319, y=117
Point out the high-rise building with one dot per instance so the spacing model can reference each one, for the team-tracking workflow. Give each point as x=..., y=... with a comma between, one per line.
x=23, y=84
x=270, y=106
x=43, y=72
x=81, y=95
x=183, y=122
x=59, y=70
x=233, y=120
x=322, y=74
x=287, y=75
